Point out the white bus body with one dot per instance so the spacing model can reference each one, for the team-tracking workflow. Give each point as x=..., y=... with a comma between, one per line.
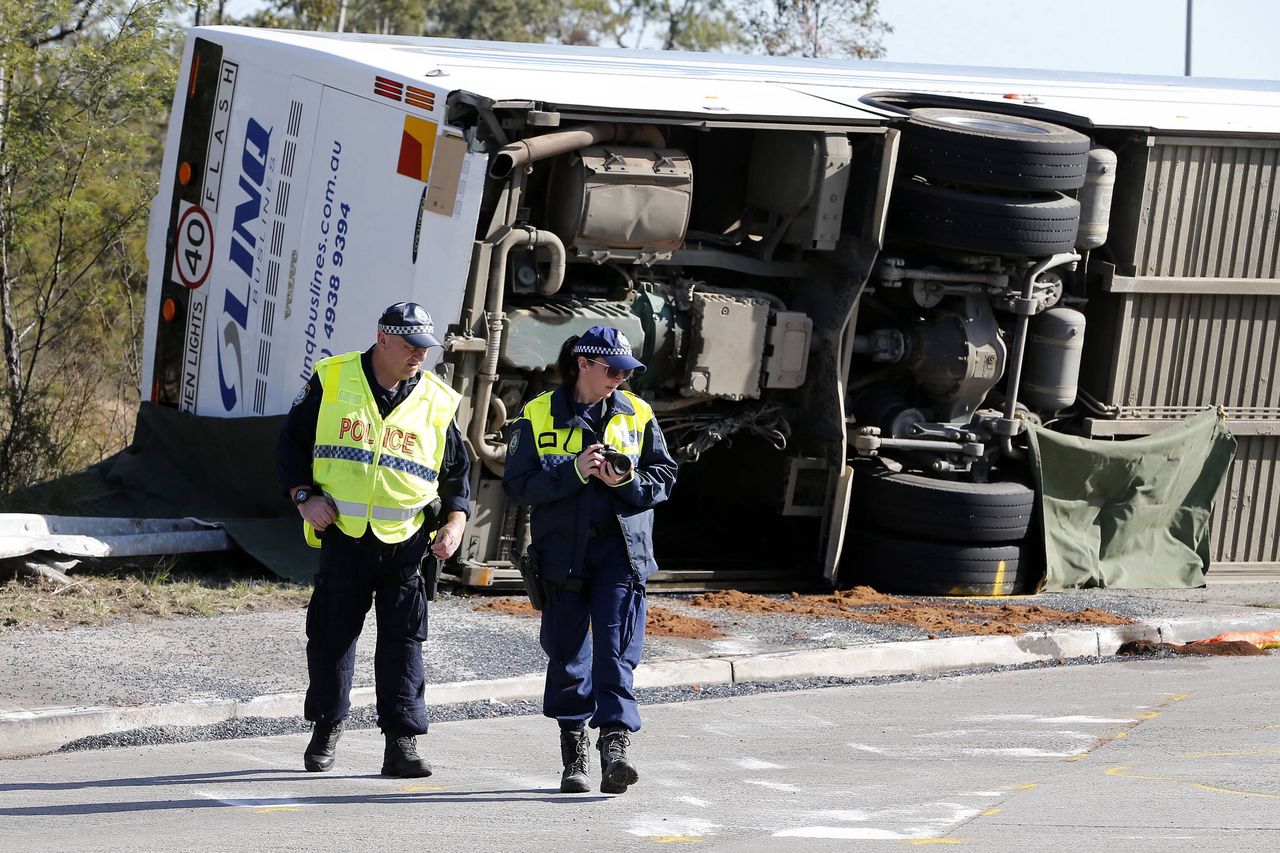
x=737, y=213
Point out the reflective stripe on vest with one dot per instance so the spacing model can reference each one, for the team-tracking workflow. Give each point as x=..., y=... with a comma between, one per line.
x=624, y=432
x=379, y=474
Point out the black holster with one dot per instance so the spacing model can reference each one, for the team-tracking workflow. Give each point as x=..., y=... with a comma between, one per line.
x=533, y=583
x=431, y=565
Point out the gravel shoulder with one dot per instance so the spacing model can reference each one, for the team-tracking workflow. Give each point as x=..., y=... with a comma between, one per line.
x=241, y=656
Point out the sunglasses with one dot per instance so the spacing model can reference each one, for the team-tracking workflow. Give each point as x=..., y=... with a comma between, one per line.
x=613, y=372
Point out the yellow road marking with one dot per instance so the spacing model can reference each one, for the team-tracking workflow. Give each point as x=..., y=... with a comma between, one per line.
x=1118, y=773
x=410, y=789
x=1147, y=715
x=1026, y=786
x=992, y=812
x=937, y=841
x=1238, y=793
x=676, y=839
x=1229, y=754
x=1177, y=697
x=265, y=809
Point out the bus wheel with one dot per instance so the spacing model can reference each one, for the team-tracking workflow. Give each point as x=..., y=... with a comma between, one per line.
x=913, y=567
x=990, y=224
x=993, y=151
x=928, y=508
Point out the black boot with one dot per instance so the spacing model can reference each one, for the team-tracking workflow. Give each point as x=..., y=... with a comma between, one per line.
x=574, y=744
x=324, y=745
x=401, y=758
x=616, y=770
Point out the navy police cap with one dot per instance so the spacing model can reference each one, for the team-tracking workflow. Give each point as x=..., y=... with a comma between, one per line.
x=607, y=344
x=410, y=321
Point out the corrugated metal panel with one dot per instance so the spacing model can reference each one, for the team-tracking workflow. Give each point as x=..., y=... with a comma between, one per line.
x=1211, y=210
x=1246, y=519
x=1189, y=351
x=1174, y=345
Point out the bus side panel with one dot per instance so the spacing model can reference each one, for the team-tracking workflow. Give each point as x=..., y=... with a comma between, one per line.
x=386, y=217
x=290, y=213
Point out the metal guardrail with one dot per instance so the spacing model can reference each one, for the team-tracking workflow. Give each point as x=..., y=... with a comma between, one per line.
x=22, y=534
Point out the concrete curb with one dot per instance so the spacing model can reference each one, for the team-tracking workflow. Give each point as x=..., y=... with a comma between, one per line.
x=26, y=733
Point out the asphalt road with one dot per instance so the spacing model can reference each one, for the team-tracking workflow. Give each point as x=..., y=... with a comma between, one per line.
x=1163, y=755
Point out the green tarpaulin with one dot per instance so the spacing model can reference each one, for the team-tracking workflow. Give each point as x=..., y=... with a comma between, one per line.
x=216, y=469
x=1130, y=514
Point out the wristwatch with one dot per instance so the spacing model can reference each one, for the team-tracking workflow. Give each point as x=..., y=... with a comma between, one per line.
x=302, y=496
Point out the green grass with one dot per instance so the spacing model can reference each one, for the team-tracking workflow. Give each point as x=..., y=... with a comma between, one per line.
x=203, y=585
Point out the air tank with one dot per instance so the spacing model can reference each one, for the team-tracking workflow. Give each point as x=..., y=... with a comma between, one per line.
x=1095, y=199
x=1051, y=369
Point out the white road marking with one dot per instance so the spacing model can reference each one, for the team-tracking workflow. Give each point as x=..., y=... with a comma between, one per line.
x=657, y=826
x=1021, y=752
x=1032, y=718
x=926, y=820
x=756, y=764
x=850, y=833
x=1006, y=733
x=254, y=802
x=694, y=801
x=774, y=786
x=862, y=747
x=945, y=752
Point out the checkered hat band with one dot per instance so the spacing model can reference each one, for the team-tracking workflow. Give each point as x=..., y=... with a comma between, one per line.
x=417, y=329
x=602, y=350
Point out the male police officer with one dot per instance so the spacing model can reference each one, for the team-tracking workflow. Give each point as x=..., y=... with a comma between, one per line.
x=367, y=449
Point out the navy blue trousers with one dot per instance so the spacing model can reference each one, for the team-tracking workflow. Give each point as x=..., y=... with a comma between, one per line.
x=592, y=680
x=353, y=574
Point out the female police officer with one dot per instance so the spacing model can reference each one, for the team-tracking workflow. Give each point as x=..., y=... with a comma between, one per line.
x=593, y=539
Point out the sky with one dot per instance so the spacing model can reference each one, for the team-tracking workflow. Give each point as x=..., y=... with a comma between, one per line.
x=1229, y=38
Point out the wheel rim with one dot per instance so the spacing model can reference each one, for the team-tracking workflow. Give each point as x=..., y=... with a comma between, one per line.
x=991, y=124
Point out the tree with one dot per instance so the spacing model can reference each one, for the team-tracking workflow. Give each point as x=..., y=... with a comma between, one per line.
x=677, y=25
x=826, y=28
x=84, y=88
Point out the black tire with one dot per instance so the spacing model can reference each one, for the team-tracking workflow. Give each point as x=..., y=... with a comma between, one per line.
x=989, y=224
x=944, y=509
x=994, y=151
x=913, y=567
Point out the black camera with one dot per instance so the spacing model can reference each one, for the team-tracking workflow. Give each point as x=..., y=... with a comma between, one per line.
x=620, y=461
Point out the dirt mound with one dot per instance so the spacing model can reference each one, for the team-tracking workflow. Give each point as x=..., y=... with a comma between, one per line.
x=661, y=622
x=863, y=604
x=1146, y=648
x=509, y=606
x=665, y=623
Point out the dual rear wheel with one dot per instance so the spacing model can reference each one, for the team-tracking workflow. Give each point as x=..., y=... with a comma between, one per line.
x=916, y=535
x=988, y=183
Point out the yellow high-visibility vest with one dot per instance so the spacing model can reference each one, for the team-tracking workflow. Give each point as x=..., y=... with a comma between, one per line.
x=624, y=432
x=380, y=474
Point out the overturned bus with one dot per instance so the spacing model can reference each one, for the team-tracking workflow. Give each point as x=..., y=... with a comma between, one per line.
x=855, y=284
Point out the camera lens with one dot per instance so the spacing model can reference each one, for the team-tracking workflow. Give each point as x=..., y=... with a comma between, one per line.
x=620, y=462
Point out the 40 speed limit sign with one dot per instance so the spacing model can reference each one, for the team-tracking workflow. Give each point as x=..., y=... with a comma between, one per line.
x=193, y=245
